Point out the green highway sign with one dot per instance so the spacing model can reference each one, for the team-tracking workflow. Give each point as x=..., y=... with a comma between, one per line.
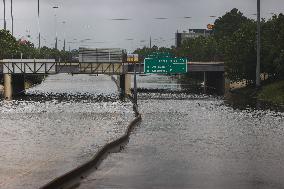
x=165, y=65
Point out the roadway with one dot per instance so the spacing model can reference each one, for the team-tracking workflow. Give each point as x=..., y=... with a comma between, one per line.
x=198, y=143
x=57, y=126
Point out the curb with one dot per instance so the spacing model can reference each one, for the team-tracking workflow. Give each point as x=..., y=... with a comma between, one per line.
x=72, y=178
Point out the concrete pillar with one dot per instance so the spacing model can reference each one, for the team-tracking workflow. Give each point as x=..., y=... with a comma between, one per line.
x=227, y=86
x=124, y=81
x=128, y=84
x=18, y=83
x=8, y=88
x=205, y=82
x=121, y=82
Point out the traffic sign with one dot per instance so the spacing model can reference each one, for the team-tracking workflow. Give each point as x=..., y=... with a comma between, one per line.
x=165, y=65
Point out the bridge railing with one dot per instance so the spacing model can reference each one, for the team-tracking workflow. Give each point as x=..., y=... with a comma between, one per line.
x=53, y=67
x=50, y=66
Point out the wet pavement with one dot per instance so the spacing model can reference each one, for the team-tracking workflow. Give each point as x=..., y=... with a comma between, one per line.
x=61, y=124
x=193, y=141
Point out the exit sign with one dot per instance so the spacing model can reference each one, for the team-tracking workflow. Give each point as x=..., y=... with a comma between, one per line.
x=165, y=65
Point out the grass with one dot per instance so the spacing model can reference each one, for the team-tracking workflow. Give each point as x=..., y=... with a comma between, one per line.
x=273, y=93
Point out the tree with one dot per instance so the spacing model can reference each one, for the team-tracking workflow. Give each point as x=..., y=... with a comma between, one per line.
x=8, y=45
x=273, y=46
x=145, y=51
x=225, y=26
x=199, y=49
x=240, y=53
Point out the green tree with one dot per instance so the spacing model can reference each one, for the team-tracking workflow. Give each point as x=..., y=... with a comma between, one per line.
x=240, y=53
x=273, y=46
x=8, y=45
x=199, y=49
x=225, y=26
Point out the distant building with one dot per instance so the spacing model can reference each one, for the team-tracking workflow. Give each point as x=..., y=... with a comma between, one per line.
x=193, y=33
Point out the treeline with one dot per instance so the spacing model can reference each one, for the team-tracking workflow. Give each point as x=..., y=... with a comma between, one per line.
x=10, y=48
x=234, y=42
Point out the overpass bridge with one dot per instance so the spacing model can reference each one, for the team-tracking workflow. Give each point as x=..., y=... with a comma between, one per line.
x=14, y=71
x=10, y=66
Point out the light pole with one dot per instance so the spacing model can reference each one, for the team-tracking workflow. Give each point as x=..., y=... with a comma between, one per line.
x=64, y=43
x=4, y=4
x=55, y=21
x=257, y=80
x=12, y=17
x=38, y=22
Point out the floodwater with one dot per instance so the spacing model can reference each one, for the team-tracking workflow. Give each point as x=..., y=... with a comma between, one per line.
x=196, y=141
x=61, y=124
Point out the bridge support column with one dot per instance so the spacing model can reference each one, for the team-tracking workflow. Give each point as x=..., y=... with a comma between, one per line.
x=121, y=82
x=125, y=84
x=227, y=86
x=8, y=88
x=205, y=82
x=14, y=85
x=215, y=82
x=18, y=83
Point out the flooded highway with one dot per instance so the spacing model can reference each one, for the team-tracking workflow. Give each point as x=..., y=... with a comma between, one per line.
x=184, y=140
x=196, y=141
x=59, y=125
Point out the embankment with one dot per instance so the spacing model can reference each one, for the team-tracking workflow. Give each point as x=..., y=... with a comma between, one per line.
x=270, y=92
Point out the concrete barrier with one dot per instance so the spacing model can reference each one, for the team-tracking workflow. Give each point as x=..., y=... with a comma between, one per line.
x=72, y=178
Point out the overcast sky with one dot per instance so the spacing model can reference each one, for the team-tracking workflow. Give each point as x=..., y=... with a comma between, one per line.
x=91, y=20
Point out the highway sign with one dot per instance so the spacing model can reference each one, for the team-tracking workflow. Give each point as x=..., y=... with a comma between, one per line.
x=165, y=65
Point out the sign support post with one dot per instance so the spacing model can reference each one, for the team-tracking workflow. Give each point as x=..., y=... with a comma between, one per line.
x=135, y=104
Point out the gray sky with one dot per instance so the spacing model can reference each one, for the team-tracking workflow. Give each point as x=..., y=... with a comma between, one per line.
x=92, y=19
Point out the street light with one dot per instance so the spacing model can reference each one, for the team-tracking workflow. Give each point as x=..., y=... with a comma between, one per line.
x=257, y=80
x=55, y=21
x=38, y=22
x=64, y=43
x=12, y=17
x=4, y=4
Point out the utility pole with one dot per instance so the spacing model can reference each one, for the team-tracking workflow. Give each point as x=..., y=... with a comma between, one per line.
x=150, y=42
x=12, y=17
x=257, y=80
x=4, y=3
x=135, y=97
